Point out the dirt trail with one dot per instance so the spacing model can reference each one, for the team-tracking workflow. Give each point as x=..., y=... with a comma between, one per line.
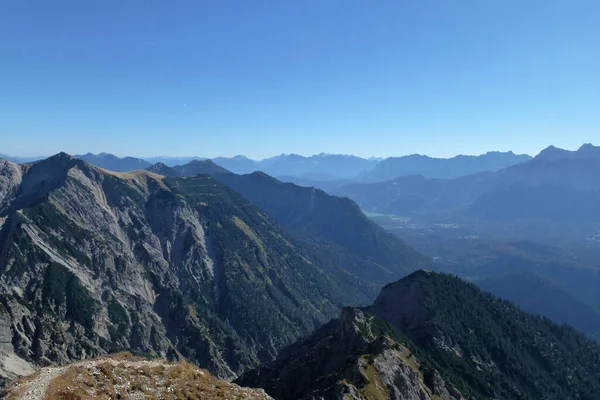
x=35, y=389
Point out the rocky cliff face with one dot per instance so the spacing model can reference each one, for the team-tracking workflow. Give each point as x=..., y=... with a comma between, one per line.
x=93, y=262
x=353, y=358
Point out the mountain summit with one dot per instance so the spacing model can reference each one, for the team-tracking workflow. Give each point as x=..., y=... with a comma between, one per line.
x=194, y=167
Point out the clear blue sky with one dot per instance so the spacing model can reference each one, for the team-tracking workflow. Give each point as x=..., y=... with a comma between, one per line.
x=372, y=78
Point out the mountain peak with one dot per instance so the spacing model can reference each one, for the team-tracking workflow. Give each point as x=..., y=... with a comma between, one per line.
x=194, y=167
x=587, y=146
x=162, y=169
x=61, y=160
x=419, y=275
x=62, y=155
x=264, y=177
x=588, y=150
x=552, y=153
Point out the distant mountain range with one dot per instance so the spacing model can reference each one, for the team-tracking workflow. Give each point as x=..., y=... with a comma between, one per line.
x=20, y=159
x=322, y=170
x=552, y=153
x=172, y=161
x=557, y=186
x=445, y=168
x=320, y=167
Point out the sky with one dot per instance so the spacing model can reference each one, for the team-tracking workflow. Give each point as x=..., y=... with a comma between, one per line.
x=370, y=78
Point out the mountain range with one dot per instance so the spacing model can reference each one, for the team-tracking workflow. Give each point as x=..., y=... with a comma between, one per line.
x=551, y=188
x=321, y=170
x=96, y=261
x=320, y=167
x=242, y=272
x=20, y=159
x=445, y=168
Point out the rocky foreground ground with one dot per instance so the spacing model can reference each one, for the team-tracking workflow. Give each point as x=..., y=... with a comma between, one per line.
x=123, y=376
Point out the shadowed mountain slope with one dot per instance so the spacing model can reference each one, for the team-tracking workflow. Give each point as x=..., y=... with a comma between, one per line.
x=334, y=224
x=540, y=296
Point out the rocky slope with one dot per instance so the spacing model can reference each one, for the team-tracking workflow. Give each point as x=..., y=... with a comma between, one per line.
x=432, y=336
x=94, y=261
x=122, y=376
x=357, y=357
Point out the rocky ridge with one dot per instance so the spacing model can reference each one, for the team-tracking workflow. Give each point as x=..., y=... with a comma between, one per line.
x=94, y=262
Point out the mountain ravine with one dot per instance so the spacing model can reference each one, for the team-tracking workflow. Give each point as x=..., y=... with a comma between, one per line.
x=93, y=262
